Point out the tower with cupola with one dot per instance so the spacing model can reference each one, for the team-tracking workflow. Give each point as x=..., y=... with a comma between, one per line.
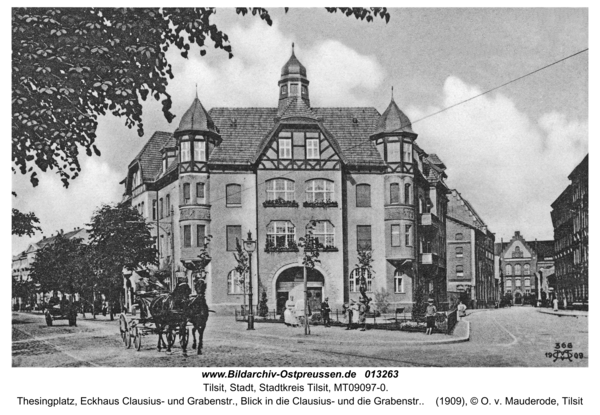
x=196, y=137
x=293, y=83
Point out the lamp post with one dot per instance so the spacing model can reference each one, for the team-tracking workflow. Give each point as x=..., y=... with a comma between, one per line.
x=250, y=247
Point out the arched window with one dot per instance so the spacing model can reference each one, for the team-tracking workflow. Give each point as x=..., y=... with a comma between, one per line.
x=518, y=283
x=363, y=195
x=280, y=189
x=459, y=251
x=459, y=271
x=281, y=234
x=508, y=270
x=319, y=190
x=394, y=193
x=407, y=194
x=236, y=283
x=458, y=236
x=325, y=232
x=518, y=269
x=526, y=269
x=355, y=276
x=508, y=283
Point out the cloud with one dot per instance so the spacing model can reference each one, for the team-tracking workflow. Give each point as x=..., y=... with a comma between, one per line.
x=59, y=208
x=509, y=166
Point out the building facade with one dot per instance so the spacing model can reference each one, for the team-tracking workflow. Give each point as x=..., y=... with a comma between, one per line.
x=470, y=253
x=525, y=268
x=570, y=221
x=358, y=175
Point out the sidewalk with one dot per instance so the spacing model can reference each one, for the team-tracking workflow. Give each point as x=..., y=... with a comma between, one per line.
x=338, y=335
x=562, y=313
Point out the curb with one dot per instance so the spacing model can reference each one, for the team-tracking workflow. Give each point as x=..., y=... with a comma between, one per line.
x=308, y=339
x=561, y=313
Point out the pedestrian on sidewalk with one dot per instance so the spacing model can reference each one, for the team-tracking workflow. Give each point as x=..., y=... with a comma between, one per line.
x=362, y=313
x=462, y=310
x=430, y=315
x=325, y=310
x=348, y=311
x=555, y=304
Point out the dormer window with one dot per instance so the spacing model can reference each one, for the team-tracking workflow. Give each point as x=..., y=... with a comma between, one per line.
x=304, y=91
x=294, y=89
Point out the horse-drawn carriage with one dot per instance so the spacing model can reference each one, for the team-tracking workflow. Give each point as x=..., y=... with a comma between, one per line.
x=167, y=315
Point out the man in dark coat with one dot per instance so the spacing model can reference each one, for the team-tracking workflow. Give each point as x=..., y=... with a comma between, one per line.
x=325, y=310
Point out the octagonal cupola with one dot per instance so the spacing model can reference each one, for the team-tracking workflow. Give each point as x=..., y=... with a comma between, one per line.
x=393, y=121
x=293, y=83
x=196, y=137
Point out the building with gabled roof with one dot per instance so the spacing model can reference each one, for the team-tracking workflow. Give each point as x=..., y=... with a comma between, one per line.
x=358, y=175
x=470, y=254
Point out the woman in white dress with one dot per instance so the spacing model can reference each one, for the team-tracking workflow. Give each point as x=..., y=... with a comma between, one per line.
x=289, y=317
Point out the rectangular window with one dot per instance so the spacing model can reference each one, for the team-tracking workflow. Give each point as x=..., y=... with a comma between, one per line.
x=459, y=251
x=394, y=193
x=508, y=284
x=527, y=282
x=162, y=208
x=408, y=235
x=518, y=282
x=459, y=271
x=294, y=89
x=407, y=150
x=363, y=195
x=398, y=284
x=199, y=151
x=285, y=148
x=363, y=237
x=200, y=193
x=185, y=151
x=312, y=148
x=168, y=205
x=187, y=236
x=395, y=235
x=393, y=152
x=154, y=209
x=186, y=193
x=234, y=195
x=233, y=233
x=200, y=234
x=143, y=212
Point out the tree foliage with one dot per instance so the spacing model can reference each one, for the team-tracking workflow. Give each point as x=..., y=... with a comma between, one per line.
x=72, y=65
x=310, y=245
x=62, y=265
x=24, y=223
x=120, y=240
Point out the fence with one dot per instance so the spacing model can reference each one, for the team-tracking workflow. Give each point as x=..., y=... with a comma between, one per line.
x=398, y=321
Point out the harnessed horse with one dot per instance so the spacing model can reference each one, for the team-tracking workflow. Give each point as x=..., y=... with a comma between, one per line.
x=167, y=320
x=197, y=312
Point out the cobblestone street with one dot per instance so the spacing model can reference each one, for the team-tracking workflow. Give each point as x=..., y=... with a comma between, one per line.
x=517, y=336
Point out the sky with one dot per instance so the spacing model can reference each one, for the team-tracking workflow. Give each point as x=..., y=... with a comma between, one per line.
x=508, y=152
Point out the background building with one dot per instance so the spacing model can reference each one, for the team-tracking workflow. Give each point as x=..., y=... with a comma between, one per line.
x=570, y=221
x=359, y=175
x=525, y=268
x=470, y=253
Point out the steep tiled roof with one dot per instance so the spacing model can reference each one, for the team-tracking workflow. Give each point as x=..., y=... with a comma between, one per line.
x=297, y=108
x=433, y=158
x=245, y=130
x=241, y=129
x=150, y=157
x=393, y=120
x=196, y=118
x=463, y=211
x=544, y=249
x=77, y=233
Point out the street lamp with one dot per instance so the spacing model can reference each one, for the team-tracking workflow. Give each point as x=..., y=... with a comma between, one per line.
x=250, y=247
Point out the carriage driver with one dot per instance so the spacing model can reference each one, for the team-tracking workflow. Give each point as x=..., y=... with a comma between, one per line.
x=181, y=293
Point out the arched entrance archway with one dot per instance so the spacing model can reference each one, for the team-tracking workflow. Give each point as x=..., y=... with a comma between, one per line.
x=518, y=298
x=291, y=280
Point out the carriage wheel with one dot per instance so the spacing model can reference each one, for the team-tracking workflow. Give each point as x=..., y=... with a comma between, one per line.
x=123, y=326
x=128, y=338
x=48, y=319
x=137, y=338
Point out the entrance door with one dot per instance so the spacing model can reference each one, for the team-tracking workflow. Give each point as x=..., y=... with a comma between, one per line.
x=518, y=298
x=282, y=298
x=314, y=299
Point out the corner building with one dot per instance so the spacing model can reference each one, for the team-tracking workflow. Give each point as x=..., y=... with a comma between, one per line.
x=359, y=174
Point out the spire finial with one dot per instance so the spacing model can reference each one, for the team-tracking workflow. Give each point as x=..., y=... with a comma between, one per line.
x=196, y=90
x=392, y=92
x=292, y=48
